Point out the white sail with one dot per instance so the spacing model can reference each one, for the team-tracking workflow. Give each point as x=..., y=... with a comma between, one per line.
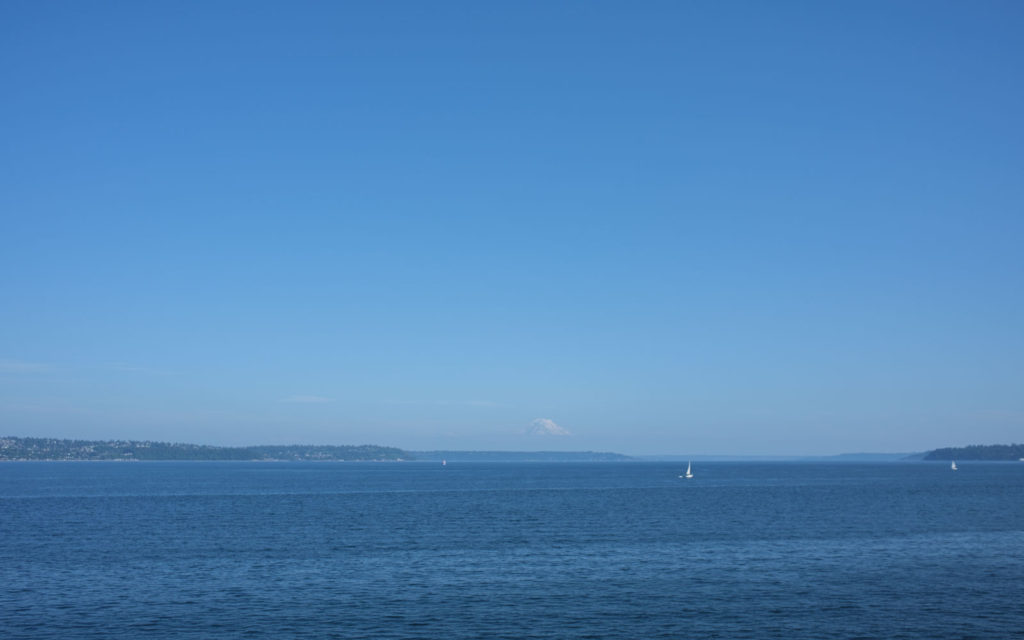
x=953, y=465
x=689, y=473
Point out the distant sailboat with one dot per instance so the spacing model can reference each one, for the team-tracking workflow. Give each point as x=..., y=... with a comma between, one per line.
x=953, y=465
x=444, y=463
x=689, y=473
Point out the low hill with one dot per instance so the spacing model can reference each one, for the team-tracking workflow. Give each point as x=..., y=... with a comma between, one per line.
x=1003, y=452
x=12, y=448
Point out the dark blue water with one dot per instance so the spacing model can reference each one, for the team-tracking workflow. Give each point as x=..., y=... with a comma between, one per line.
x=411, y=550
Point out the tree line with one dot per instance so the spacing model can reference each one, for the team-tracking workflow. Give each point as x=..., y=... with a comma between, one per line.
x=14, y=448
x=979, y=452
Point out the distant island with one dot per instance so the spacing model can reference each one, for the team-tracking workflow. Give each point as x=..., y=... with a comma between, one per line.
x=13, y=448
x=1003, y=452
x=519, y=456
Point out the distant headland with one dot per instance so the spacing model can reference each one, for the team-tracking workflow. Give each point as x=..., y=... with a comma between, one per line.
x=994, y=452
x=15, y=448
x=12, y=448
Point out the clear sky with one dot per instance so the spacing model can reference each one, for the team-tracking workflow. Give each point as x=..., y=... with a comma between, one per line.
x=645, y=227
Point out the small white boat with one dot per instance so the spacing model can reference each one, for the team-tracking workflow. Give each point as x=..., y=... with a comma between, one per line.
x=444, y=463
x=689, y=473
x=953, y=466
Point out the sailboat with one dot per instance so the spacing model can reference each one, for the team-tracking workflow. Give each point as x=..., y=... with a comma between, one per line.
x=689, y=473
x=953, y=465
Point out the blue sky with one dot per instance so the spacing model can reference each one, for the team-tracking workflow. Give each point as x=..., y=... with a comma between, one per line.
x=662, y=227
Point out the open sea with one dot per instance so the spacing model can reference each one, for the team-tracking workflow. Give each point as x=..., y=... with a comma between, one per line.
x=489, y=550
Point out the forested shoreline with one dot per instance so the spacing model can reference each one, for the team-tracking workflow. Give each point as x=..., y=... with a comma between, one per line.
x=14, y=448
x=994, y=452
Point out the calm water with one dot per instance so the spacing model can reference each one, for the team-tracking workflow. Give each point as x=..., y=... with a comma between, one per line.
x=415, y=550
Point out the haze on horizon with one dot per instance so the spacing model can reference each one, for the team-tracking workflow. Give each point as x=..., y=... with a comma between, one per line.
x=709, y=228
